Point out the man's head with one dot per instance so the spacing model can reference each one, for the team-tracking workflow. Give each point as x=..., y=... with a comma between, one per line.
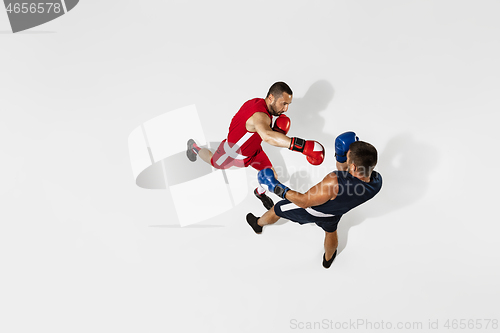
x=278, y=98
x=361, y=158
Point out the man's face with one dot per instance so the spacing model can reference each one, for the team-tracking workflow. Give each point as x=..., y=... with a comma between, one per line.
x=280, y=105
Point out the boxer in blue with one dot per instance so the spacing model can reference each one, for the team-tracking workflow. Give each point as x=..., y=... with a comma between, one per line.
x=354, y=183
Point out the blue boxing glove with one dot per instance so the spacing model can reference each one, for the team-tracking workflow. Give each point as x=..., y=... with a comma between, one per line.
x=266, y=177
x=342, y=143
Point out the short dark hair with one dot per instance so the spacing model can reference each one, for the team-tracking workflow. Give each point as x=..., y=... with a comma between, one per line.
x=278, y=88
x=364, y=156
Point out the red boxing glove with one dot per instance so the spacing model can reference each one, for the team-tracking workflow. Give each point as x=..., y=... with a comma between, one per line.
x=282, y=124
x=315, y=152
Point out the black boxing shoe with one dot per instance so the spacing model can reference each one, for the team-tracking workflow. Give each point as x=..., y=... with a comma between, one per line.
x=189, y=152
x=328, y=263
x=266, y=201
x=252, y=220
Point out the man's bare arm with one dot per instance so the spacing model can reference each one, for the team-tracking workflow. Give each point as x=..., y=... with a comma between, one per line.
x=317, y=195
x=259, y=122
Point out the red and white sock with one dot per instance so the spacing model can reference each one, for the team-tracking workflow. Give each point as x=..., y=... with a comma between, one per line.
x=196, y=149
x=260, y=190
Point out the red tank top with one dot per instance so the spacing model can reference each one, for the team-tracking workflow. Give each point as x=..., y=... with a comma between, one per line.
x=248, y=142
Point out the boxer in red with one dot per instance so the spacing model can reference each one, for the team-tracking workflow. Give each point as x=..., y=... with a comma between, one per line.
x=249, y=127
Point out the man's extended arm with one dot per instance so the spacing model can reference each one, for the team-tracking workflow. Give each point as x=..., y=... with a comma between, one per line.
x=317, y=195
x=314, y=151
x=325, y=190
x=261, y=124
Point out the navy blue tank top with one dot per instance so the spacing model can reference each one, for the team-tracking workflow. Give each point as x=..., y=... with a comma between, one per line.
x=352, y=193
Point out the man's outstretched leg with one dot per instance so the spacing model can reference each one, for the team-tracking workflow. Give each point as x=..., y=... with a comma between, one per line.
x=257, y=223
x=331, y=244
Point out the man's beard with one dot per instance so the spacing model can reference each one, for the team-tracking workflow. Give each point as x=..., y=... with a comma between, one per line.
x=272, y=111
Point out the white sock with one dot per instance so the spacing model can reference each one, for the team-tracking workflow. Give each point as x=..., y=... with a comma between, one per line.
x=260, y=189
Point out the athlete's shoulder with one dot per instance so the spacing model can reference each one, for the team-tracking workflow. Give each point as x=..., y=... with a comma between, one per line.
x=254, y=101
x=331, y=175
x=376, y=177
x=331, y=179
x=258, y=104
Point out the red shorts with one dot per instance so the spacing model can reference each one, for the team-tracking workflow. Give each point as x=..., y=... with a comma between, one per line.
x=222, y=160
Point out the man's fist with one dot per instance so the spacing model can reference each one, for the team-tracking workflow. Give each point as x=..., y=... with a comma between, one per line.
x=314, y=150
x=282, y=124
x=266, y=177
x=342, y=143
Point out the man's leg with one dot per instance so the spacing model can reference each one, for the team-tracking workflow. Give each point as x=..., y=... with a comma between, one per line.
x=206, y=155
x=331, y=244
x=269, y=217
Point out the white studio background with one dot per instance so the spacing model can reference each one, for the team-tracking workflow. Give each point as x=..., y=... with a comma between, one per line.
x=83, y=249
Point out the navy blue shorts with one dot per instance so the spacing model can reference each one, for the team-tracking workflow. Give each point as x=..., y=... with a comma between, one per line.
x=292, y=212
